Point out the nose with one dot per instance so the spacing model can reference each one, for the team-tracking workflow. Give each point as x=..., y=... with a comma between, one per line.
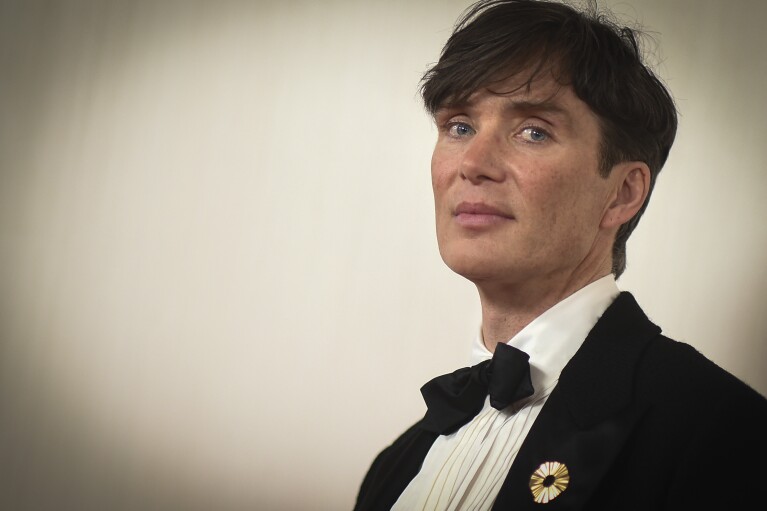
x=482, y=159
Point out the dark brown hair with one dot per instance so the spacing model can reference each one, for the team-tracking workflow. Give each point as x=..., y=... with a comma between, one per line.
x=601, y=61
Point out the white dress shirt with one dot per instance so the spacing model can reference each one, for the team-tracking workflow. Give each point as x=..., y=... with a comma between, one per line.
x=465, y=470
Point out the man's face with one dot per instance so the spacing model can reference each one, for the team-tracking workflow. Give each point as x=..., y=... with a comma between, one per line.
x=517, y=189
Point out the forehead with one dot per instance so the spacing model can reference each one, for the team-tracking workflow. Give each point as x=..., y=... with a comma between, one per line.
x=523, y=93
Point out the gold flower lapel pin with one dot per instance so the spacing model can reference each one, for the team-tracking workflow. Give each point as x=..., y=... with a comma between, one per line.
x=549, y=481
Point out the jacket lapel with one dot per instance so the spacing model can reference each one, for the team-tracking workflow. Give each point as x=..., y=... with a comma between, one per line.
x=394, y=468
x=589, y=415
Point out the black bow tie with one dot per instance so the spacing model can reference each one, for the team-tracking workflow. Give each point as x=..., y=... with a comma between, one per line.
x=454, y=399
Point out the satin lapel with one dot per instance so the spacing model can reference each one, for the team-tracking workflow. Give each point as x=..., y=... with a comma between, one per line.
x=589, y=415
x=393, y=469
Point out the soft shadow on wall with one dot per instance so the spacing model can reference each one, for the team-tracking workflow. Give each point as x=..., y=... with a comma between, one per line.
x=220, y=284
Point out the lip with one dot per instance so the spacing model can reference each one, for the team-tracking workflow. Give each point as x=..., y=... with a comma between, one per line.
x=479, y=214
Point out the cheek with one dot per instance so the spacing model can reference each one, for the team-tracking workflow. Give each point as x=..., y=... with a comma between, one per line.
x=560, y=205
x=440, y=181
x=548, y=195
x=437, y=164
x=579, y=216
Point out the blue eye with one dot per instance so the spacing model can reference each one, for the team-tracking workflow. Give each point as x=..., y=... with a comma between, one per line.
x=460, y=129
x=533, y=134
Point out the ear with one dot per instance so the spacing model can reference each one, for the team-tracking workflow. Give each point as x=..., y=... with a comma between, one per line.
x=632, y=184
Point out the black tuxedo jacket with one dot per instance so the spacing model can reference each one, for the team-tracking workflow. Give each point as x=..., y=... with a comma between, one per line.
x=641, y=421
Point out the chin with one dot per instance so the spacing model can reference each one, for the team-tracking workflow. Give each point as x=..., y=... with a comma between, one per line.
x=474, y=266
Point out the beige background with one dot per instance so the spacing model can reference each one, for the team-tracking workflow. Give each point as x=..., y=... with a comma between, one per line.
x=220, y=287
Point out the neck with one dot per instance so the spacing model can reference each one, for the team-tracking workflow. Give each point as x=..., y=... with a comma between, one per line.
x=507, y=309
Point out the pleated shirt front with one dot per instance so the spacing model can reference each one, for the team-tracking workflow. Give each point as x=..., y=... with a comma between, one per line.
x=465, y=470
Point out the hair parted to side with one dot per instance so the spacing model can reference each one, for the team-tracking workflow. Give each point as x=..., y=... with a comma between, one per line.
x=601, y=61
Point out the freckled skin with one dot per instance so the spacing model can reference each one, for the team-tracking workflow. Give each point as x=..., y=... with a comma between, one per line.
x=533, y=154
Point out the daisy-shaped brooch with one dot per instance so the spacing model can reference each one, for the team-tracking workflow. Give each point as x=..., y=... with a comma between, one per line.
x=549, y=481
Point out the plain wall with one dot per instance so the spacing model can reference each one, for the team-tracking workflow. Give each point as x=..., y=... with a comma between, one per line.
x=219, y=280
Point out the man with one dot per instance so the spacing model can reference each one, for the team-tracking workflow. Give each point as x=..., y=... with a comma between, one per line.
x=551, y=133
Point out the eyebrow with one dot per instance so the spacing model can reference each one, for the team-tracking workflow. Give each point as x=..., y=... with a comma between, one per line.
x=545, y=105
x=512, y=105
x=532, y=106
